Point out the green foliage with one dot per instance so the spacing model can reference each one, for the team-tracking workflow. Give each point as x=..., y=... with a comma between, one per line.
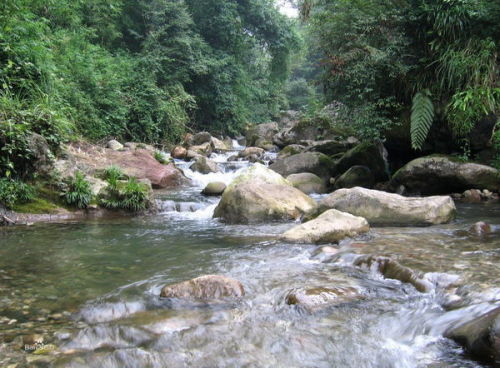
x=130, y=196
x=422, y=116
x=78, y=192
x=15, y=192
x=160, y=158
x=112, y=174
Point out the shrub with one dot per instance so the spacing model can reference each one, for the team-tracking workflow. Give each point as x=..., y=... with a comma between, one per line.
x=130, y=195
x=14, y=192
x=113, y=174
x=79, y=191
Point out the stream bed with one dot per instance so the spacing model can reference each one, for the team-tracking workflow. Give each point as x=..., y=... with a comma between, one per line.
x=92, y=289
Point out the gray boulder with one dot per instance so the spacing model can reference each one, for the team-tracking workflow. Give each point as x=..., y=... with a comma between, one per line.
x=201, y=138
x=356, y=176
x=290, y=150
x=381, y=208
x=307, y=183
x=333, y=146
x=443, y=175
x=312, y=162
x=260, y=195
x=209, y=287
x=204, y=165
x=330, y=227
x=214, y=189
x=264, y=132
x=371, y=155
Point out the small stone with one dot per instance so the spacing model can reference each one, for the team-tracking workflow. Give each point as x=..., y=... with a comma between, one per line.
x=480, y=228
x=472, y=196
x=114, y=145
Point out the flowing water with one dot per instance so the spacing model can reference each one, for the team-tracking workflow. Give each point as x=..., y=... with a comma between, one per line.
x=91, y=289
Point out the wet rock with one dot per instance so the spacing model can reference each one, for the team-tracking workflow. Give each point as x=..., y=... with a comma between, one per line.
x=204, y=165
x=209, y=287
x=242, y=141
x=381, y=208
x=265, y=132
x=356, y=176
x=371, y=155
x=480, y=336
x=442, y=175
x=480, y=228
x=333, y=146
x=472, y=196
x=290, y=150
x=190, y=155
x=311, y=162
x=260, y=194
x=201, y=138
x=114, y=145
x=319, y=298
x=214, y=189
x=251, y=151
x=392, y=269
x=179, y=152
x=204, y=149
x=219, y=145
x=307, y=183
x=330, y=227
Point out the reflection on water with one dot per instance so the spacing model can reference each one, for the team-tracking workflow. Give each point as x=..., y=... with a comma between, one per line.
x=93, y=288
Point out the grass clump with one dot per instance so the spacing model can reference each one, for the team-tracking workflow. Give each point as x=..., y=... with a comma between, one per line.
x=160, y=158
x=79, y=192
x=129, y=195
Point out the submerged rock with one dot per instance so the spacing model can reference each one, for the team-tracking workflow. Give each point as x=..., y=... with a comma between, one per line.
x=330, y=227
x=311, y=162
x=260, y=194
x=204, y=165
x=214, y=189
x=443, y=175
x=307, y=183
x=319, y=298
x=381, y=208
x=392, y=269
x=208, y=287
x=480, y=228
x=480, y=336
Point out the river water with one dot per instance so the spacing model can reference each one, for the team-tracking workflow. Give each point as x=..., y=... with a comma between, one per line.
x=92, y=290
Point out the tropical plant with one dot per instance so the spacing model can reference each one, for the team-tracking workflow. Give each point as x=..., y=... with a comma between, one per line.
x=14, y=192
x=78, y=192
x=130, y=196
x=112, y=174
x=422, y=116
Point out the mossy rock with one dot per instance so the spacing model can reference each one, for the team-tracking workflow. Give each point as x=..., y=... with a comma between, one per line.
x=37, y=206
x=366, y=154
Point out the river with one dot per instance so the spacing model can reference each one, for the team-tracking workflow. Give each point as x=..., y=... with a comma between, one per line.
x=92, y=289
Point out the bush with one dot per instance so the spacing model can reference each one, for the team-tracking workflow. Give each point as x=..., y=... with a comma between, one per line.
x=79, y=191
x=14, y=192
x=130, y=195
x=113, y=174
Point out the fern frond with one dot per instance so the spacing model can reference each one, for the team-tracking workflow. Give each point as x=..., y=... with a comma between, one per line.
x=422, y=116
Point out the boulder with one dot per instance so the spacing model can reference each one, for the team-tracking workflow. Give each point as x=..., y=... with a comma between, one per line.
x=191, y=155
x=442, y=175
x=381, y=208
x=330, y=227
x=312, y=162
x=204, y=149
x=371, y=155
x=356, y=176
x=319, y=298
x=480, y=336
x=201, y=138
x=42, y=157
x=251, y=151
x=290, y=150
x=214, y=189
x=307, y=183
x=179, y=152
x=114, y=145
x=259, y=195
x=219, y=145
x=209, y=287
x=204, y=165
x=333, y=146
x=392, y=269
x=261, y=131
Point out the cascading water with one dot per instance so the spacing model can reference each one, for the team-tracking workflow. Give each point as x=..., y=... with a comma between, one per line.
x=104, y=279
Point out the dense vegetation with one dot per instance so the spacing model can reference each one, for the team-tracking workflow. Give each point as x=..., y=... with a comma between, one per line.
x=143, y=70
x=381, y=58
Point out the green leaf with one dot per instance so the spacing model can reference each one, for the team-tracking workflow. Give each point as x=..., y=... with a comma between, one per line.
x=422, y=116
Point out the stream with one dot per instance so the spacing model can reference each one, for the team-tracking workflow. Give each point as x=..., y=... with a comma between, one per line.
x=92, y=290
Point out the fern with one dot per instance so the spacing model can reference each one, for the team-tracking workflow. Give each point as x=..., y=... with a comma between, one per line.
x=422, y=116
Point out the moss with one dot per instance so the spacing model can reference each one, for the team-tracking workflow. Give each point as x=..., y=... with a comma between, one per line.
x=37, y=206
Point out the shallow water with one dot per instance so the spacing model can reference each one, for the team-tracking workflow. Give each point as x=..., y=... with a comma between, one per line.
x=92, y=290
